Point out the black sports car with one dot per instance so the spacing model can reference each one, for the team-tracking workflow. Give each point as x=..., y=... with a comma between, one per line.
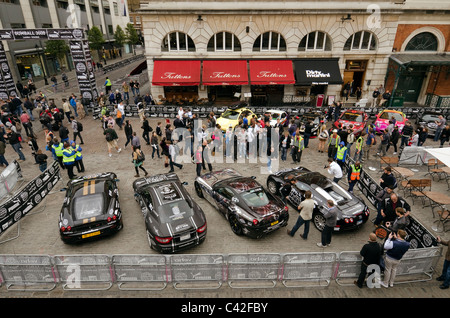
x=428, y=119
x=91, y=208
x=249, y=208
x=352, y=211
x=316, y=117
x=173, y=220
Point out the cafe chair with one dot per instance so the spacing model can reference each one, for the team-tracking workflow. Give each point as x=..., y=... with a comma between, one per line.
x=418, y=193
x=434, y=170
x=441, y=223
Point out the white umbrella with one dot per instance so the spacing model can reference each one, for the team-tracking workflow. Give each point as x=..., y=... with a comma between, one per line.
x=442, y=154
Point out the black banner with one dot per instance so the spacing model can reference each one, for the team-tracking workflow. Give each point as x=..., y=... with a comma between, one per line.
x=41, y=34
x=82, y=61
x=7, y=85
x=29, y=197
x=418, y=235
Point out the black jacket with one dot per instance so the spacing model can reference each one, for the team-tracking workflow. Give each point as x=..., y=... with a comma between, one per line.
x=407, y=131
x=371, y=253
x=389, y=209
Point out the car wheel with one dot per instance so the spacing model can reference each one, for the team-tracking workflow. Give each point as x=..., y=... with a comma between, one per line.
x=235, y=225
x=198, y=189
x=272, y=186
x=319, y=221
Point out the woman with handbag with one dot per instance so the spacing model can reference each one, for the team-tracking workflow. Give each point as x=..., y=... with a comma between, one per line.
x=323, y=137
x=138, y=160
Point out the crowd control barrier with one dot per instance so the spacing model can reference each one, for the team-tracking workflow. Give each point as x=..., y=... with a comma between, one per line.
x=191, y=271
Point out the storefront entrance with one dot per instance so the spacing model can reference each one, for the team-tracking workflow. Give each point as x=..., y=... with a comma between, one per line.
x=354, y=74
x=410, y=84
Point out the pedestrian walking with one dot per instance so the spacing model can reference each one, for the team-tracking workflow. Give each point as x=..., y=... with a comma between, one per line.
x=73, y=104
x=3, y=161
x=69, y=159
x=393, y=139
x=146, y=130
x=111, y=139
x=333, y=142
x=77, y=128
x=297, y=147
x=172, y=155
x=155, y=147
x=128, y=129
x=199, y=160
x=407, y=133
x=305, y=210
x=138, y=161
x=440, y=125
x=14, y=140
x=78, y=156
x=395, y=247
x=341, y=154
x=108, y=85
x=330, y=215
x=358, y=156
x=135, y=141
x=371, y=253
x=445, y=275
x=66, y=109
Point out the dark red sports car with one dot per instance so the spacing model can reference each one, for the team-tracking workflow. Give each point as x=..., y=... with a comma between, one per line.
x=357, y=118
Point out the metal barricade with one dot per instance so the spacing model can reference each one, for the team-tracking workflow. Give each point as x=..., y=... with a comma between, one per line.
x=27, y=272
x=140, y=272
x=417, y=265
x=197, y=271
x=77, y=271
x=253, y=270
x=349, y=267
x=299, y=270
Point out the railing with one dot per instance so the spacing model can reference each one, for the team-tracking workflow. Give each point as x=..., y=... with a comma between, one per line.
x=437, y=101
x=190, y=271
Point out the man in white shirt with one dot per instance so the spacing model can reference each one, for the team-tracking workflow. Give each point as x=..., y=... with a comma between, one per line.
x=334, y=169
x=305, y=208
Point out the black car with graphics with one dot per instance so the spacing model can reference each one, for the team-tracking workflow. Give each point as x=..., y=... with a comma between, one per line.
x=173, y=221
x=352, y=211
x=91, y=208
x=247, y=206
x=316, y=118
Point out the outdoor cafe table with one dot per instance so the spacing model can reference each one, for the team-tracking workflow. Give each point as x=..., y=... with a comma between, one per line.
x=403, y=172
x=437, y=200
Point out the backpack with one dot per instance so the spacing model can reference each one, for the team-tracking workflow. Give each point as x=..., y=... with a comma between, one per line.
x=140, y=156
x=109, y=137
x=79, y=126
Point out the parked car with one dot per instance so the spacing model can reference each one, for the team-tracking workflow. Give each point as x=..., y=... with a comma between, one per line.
x=247, y=206
x=357, y=118
x=428, y=119
x=91, y=208
x=383, y=117
x=173, y=220
x=233, y=115
x=316, y=117
x=352, y=211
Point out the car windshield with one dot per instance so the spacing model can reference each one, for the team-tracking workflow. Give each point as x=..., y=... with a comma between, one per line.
x=389, y=115
x=275, y=116
x=175, y=211
x=352, y=117
x=314, y=178
x=230, y=114
x=87, y=206
x=255, y=198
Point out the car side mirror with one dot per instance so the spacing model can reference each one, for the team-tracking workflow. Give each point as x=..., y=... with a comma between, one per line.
x=184, y=183
x=253, y=177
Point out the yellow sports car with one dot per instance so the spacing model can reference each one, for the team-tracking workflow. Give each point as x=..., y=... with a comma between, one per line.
x=232, y=116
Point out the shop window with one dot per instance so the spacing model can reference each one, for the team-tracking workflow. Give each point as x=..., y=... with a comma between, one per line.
x=315, y=41
x=177, y=41
x=362, y=40
x=424, y=41
x=269, y=41
x=224, y=41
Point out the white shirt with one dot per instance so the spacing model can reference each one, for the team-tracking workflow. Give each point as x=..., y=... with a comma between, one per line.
x=335, y=170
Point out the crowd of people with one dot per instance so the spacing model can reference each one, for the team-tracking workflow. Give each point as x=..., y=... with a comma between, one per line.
x=251, y=138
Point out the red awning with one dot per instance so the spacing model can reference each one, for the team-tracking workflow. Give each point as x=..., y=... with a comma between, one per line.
x=271, y=72
x=230, y=72
x=176, y=73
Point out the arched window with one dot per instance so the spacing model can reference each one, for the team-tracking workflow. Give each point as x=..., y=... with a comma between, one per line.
x=177, y=41
x=269, y=41
x=224, y=41
x=362, y=40
x=315, y=41
x=425, y=41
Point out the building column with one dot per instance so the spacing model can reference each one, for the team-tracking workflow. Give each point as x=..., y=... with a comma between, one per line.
x=53, y=13
x=27, y=14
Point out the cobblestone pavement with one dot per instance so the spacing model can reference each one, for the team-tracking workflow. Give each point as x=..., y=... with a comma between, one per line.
x=39, y=230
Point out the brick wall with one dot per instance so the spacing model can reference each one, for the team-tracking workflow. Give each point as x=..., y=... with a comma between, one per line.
x=404, y=30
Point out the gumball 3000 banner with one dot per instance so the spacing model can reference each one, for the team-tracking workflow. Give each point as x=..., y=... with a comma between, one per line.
x=28, y=197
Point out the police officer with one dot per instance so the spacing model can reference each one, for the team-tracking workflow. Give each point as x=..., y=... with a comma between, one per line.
x=354, y=174
x=78, y=156
x=57, y=149
x=69, y=155
x=341, y=153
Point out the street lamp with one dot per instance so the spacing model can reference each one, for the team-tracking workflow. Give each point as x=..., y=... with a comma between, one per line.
x=38, y=49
